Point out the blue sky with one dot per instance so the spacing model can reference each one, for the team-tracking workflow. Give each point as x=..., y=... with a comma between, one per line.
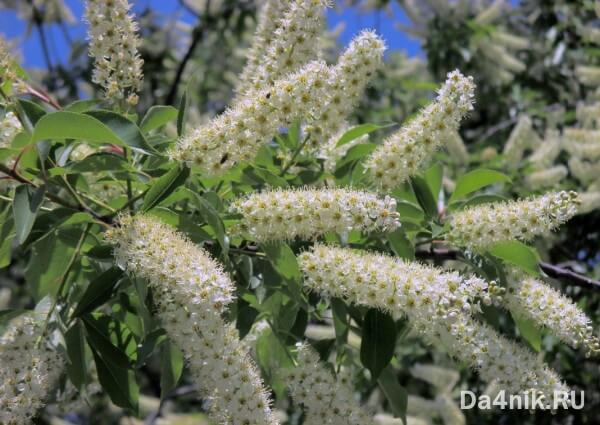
x=355, y=20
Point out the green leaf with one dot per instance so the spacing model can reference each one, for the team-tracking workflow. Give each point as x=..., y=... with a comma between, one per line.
x=517, y=254
x=395, y=393
x=129, y=133
x=7, y=233
x=182, y=114
x=401, y=245
x=26, y=205
x=164, y=186
x=119, y=383
x=433, y=176
x=48, y=261
x=359, y=131
x=475, y=180
x=82, y=105
x=70, y=125
x=95, y=163
x=77, y=367
x=100, y=341
x=378, y=341
x=171, y=367
x=98, y=291
x=355, y=153
x=212, y=217
x=33, y=111
x=529, y=331
x=424, y=196
x=157, y=116
x=285, y=263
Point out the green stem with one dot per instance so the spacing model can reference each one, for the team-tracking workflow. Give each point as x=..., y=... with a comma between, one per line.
x=294, y=155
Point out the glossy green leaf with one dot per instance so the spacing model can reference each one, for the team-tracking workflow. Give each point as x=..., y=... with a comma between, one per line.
x=119, y=383
x=164, y=186
x=395, y=393
x=77, y=366
x=171, y=367
x=182, y=114
x=401, y=245
x=475, y=180
x=7, y=234
x=157, y=116
x=529, y=331
x=378, y=341
x=285, y=263
x=70, y=125
x=517, y=254
x=359, y=131
x=212, y=217
x=33, y=111
x=424, y=196
x=433, y=176
x=127, y=131
x=95, y=163
x=98, y=291
x=27, y=203
x=99, y=339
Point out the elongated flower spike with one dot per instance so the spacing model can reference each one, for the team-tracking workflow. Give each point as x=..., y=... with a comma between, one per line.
x=348, y=80
x=521, y=137
x=238, y=134
x=548, y=308
x=402, y=154
x=480, y=227
x=29, y=370
x=269, y=18
x=437, y=304
x=192, y=292
x=294, y=41
x=546, y=178
x=327, y=399
x=114, y=46
x=308, y=213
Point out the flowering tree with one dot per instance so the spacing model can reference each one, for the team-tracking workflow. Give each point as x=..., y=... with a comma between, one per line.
x=282, y=261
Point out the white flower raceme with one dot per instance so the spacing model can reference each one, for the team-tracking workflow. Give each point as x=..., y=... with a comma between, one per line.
x=585, y=171
x=268, y=20
x=456, y=147
x=500, y=56
x=437, y=304
x=327, y=399
x=548, y=150
x=10, y=126
x=29, y=370
x=7, y=68
x=546, y=178
x=401, y=155
x=295, y=42
x=114, y=46
x=347, y=82
x=584, y=144
x=521, y=137
x=589, y=201
x=531, y=298
x=588, y=75
x=588, y=115
x=510, y=40
x=238, y=134
x=308, y=213
x=482, y=226
x=192, y=292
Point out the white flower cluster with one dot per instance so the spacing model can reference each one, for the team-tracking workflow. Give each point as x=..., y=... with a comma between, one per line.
x=268, y=20
x=437, y=304
x=10, y=126
x=522, y=137
x=308, y=213
x=238, y=134
x=7, y=69
x=327, y=399
x=546, y=178
x=29, y=370
x=589, y=201
x=293, y=42
x=582, y=143
x=588, y=115
x=349, y=77
x=192, y=292
x=531, y=298
x=588, y=75
x=114, y=47
x=401, y=155
x=547, y=151
x=481, y=226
